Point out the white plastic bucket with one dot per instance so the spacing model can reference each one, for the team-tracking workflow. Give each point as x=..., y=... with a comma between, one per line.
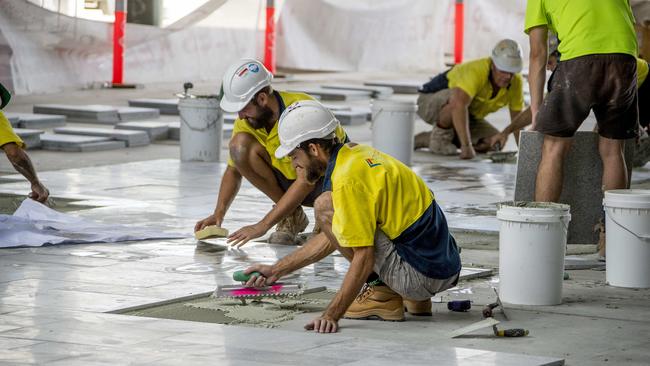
x=532, y=244
x=393, y=122
x=627, y=224
x=201, y=128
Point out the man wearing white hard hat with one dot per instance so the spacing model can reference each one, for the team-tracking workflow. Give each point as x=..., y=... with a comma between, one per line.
x=247, y=91
x=457, y=101
x=377, y=213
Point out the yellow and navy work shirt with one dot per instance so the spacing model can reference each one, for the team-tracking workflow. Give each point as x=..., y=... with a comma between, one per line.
x=374, y=191
x=585, y=27
x=473, y=77
x=271, y=140
x=7, y=134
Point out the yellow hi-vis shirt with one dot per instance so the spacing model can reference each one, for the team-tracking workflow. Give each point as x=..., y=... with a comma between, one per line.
x=585, y=27
x=7, y=134
x=271, y=140
x=473, y=77
x=374, y=191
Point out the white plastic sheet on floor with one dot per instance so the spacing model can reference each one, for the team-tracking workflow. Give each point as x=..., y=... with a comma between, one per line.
x=35, y=225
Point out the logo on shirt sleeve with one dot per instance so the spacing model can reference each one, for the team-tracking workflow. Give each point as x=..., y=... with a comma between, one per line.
x=372, y=163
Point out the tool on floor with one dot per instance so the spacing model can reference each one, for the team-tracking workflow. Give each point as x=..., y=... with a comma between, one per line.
x=488, y=322
x=212, y=231
x=277, y=290
x=459, y=305
x=488, y=313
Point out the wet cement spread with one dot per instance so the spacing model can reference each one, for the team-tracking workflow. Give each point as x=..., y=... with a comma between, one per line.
x=266, y=312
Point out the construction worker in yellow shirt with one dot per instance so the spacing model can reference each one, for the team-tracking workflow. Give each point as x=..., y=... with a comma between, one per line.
x=377, y=213
x=457, y=101
x=248, y=92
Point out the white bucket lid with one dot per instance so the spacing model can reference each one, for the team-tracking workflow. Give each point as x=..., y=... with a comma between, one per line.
x=627, y=198
x=395, y=105
x=543, y=212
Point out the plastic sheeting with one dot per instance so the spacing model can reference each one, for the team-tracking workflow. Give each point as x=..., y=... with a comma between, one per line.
x=397, y=35
x=391, y=35
x=35, y=225
x=50, y=51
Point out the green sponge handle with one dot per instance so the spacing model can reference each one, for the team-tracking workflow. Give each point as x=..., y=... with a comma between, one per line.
x=241, y=276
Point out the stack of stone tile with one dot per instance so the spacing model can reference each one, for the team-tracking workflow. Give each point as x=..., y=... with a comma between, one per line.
x=165, y=106
x=36, y=121
x=130, y=138
x=156, y=130
x=97, y=113
x=76, y=143
x=324, y=94
x=398, y=86
x=376, y=92
x=31, y=137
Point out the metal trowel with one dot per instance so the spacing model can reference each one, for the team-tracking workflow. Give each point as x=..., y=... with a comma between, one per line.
x=276, y=290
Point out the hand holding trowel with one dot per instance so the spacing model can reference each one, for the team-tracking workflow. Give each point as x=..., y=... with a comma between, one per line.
x=259, y=283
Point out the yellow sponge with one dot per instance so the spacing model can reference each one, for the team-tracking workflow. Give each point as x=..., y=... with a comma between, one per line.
x=212, y=231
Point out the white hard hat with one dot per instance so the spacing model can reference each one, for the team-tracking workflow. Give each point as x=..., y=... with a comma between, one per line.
x=302, y=121
x=241, y=81
x=506, y=56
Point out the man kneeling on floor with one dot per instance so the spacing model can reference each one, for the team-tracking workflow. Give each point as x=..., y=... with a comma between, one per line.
x=379, y=215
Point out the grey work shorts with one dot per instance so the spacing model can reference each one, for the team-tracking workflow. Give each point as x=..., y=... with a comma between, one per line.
x=430, y=105
x=401, y=277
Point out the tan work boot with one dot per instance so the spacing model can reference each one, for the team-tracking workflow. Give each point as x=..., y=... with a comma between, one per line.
x=440, y=141
x=377, y=302
x=418, y=308
x=290, y=226
x=421, y=140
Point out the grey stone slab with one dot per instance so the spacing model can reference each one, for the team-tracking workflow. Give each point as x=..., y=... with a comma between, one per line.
x=38, y=121
x=175, y=131
x=334, y=94
x=131, y=138
x=583, y=171
x=229, y=118
x=137, y=113
x=156, y=130
x=93, y=113
x=13, y=119
x=376, y=92
x=399, y=86
x=77, y=143
x=31, y=138
x=165, y=106
x=354, y=116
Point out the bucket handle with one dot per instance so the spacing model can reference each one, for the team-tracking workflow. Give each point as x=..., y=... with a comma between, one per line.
x=642, y=237
x=209, y=125
x=375, y=115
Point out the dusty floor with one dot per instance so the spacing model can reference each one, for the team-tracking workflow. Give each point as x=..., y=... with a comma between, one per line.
x=54, y=300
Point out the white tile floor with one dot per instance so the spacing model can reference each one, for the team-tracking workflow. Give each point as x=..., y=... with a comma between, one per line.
x=53, y=299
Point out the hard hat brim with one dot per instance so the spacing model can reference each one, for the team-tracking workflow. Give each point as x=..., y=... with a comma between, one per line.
x=513, y=69
x=283, y=151
x=232, y=107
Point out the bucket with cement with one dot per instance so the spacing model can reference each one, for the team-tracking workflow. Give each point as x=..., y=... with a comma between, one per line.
x=393, y=122
x=627, y=224
x=201, y=128
x=532, y=244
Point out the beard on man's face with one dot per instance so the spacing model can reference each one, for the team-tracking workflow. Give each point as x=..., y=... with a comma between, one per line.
x=263, y=119
x=314, y=170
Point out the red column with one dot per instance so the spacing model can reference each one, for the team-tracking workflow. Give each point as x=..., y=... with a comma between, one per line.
x=269, y=39
x=458, y=33
x=119, y=27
